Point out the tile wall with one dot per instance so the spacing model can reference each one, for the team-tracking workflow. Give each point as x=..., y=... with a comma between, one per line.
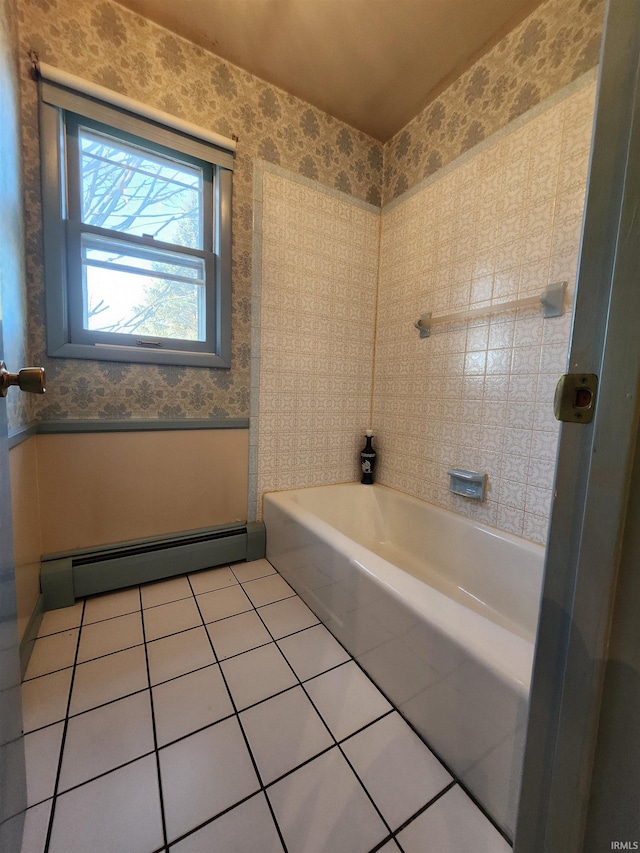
x=501, y=222
x=314, y=318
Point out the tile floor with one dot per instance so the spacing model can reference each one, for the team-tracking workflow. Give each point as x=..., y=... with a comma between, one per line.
x=212, y=713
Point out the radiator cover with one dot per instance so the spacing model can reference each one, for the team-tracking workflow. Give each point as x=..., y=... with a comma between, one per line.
x=66, y=577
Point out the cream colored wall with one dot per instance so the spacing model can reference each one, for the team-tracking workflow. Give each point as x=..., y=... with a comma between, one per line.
x=102, y=488
x=27, y=537
x=81, y=490
x=319, y=272
x=502, y=223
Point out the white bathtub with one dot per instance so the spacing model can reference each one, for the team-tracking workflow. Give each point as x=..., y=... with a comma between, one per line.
x=440, y=611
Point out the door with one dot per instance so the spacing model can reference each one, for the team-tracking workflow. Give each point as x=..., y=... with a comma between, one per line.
x=13, y=794
x=594, y=468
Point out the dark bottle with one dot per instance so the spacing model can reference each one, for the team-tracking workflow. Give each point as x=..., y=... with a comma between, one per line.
x=368, y=459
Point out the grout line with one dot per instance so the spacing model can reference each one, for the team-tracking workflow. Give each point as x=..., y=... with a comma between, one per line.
x=423, y=809
x=54, y=793
x=88, y=710
x=53, y=671
x=106, y=773
x=333, y=737
x=246, y=739
x=388, y=840
x=302, y=763
x=153, y=726
x=55, y=634
x=215, y=817
x=372, y=387
x=197, y=731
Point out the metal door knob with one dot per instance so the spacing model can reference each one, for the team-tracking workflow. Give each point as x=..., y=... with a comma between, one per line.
x=31, y=379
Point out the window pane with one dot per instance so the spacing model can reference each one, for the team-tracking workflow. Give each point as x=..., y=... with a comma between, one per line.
x=126, y=188
x=142, y=291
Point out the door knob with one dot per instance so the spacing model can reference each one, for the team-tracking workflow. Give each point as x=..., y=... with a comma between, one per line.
x=31, y=379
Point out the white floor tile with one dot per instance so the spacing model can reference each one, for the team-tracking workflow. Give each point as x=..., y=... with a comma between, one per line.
x=249, y=828
x=190, y=702
x=322, y=807
x=118, y=812
x=453, y=824
x=284, y=732
x=45, y=699
x=222, y=603
x=313, y=651
x=389, y=847
x=179, y=654
x=204, y=774
x=346, y=699
x=211, y=579
x=107, y=678
x=170, y=618
x=238, y=634
x=111, y=604
x=267, y=590
x=252, y=570
x=397, y=769
x=105, y=738
x=112, y=635
x=285, y=617
x=36, y=824
x=256, y=675
x=52, y=653
x=162, y=592
x=61, y=619
x=42, y=754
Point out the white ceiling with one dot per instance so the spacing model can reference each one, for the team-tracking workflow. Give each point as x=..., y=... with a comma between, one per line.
x=374, y=64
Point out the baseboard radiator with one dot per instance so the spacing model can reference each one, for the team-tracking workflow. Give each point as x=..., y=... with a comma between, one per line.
x=67, y=577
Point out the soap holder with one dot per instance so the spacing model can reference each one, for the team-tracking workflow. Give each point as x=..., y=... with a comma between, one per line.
x=469, y=484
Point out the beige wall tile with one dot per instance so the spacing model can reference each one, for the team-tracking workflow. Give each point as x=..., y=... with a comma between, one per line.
x=479, y=394
x=318, y=292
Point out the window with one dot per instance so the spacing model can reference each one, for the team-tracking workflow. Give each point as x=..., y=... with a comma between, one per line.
x=137, y=236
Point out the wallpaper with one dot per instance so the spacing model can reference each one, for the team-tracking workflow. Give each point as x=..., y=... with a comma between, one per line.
x=501, y=224
x=557, y=43
x=319, y=270
x=13, y=297
x=110, y=45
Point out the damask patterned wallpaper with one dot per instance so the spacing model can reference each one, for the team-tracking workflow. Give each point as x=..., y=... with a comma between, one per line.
x=553, y=46
x=110, y=45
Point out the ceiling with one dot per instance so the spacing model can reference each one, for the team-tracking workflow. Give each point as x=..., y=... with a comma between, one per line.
x=374, y=64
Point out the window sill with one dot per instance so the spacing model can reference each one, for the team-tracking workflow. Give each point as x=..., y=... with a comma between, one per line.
x=133, y=355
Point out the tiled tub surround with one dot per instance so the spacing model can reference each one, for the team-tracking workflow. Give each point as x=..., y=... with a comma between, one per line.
x=441, y=611
x=212, y=712
x=314, y=313
x=502, y=222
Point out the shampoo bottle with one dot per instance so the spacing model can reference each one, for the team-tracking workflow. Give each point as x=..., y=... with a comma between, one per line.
x=368, y=459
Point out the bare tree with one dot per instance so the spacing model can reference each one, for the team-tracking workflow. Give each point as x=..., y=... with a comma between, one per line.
x=127, y=190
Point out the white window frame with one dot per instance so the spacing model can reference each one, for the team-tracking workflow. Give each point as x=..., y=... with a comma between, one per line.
x=64, y=338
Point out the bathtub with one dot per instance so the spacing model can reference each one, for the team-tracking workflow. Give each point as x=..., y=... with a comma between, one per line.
x=439, y=610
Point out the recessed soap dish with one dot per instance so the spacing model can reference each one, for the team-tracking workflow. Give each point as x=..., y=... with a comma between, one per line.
x=469, y=484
